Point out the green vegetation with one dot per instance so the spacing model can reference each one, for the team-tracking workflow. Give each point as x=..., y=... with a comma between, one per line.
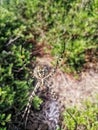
x=15, y=81
x=37, y=102
x=86, y=118
x=70, y=27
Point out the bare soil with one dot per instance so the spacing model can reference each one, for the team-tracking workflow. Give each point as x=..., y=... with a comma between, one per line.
x=73, y=92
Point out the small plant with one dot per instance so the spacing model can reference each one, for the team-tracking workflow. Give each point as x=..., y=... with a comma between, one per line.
x=37, y=102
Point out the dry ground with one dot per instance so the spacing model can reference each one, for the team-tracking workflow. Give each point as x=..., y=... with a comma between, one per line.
x=71, y=91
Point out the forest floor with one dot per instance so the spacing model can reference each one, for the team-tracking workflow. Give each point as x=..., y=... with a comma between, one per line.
x=70, y=91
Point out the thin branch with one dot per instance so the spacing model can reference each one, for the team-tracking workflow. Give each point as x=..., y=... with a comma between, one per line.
x=28, y=106
x=12, y=40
